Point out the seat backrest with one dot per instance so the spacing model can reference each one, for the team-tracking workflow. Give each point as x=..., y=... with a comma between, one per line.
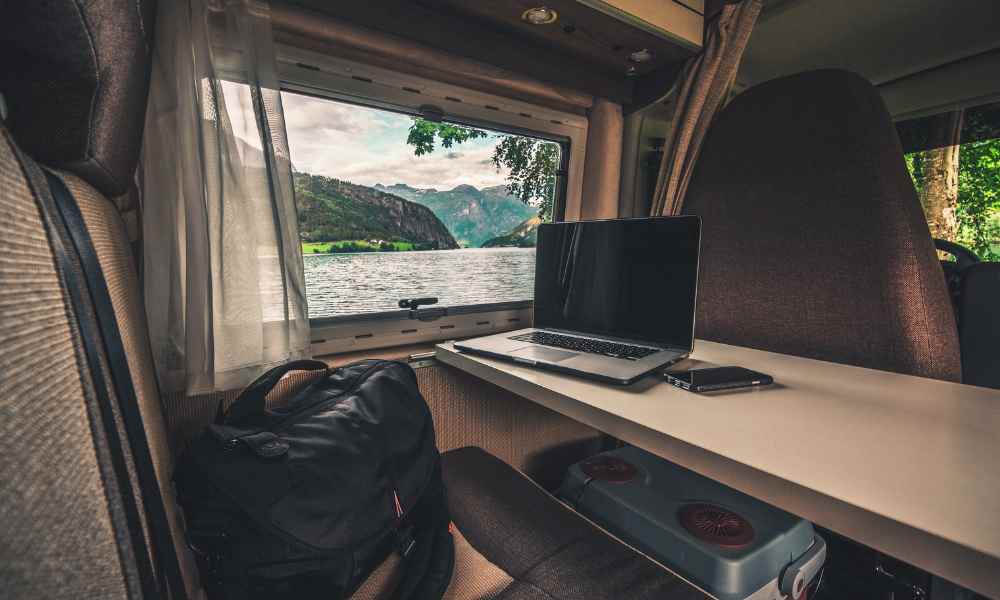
x=61, y=516
x=75, y=517
x=813, y=239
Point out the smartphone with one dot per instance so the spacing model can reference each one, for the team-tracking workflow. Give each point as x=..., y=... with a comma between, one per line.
x=717, y=378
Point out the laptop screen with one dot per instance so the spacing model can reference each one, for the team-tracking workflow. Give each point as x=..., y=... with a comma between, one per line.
x=623, y=278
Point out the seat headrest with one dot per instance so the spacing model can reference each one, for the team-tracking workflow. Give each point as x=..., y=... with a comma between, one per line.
x=75, y=77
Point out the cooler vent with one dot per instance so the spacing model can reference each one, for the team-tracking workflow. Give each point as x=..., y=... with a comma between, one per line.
x=715, y=525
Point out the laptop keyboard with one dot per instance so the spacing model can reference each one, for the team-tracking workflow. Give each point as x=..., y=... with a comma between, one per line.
x=568, y=342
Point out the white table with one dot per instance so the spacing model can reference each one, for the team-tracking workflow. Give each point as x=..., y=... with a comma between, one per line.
x=906, y=465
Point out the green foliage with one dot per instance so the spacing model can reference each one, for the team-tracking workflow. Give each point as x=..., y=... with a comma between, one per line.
x=979, y=198
x=423, y=134
x=331, y=210
x=978, y=210
x=532, y=162
x=348, y=246
x=915, y=164
x=532, y=165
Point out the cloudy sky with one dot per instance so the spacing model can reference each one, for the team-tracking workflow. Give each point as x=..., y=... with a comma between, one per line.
x=368, y=146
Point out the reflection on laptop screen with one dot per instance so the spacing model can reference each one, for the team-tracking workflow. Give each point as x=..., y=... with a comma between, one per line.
x=626, y=278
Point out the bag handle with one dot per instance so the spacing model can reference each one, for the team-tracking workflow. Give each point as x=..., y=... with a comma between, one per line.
x=251, y=400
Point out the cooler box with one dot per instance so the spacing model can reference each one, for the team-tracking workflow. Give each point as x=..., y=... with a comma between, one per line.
x=731, y=545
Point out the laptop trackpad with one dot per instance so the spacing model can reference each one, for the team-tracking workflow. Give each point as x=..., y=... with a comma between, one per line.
x=543, y=353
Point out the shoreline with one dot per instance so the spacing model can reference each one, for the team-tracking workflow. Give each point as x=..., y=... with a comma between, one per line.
x=306, y=254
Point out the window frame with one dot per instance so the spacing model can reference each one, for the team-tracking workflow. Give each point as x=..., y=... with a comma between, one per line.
x=306, y=72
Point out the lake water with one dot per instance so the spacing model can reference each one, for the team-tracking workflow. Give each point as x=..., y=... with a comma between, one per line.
x=348, y=284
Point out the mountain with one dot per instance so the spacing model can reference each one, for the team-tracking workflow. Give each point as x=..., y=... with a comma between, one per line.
x=332, y=210
x=524, y=235
x=404, y=191
x=472, y=215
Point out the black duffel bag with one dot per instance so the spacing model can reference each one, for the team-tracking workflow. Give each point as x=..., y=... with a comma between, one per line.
x=306, y=501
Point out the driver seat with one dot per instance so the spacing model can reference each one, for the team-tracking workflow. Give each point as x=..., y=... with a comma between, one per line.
x=975, y=292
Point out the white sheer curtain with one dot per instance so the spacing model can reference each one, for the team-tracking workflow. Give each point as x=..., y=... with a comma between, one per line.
x=223, y=275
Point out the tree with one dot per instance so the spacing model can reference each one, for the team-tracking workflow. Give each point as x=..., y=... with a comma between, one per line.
x=532, y=162
x=970, y=194
x=532, y=165
x=939, y=166
x=423, y=133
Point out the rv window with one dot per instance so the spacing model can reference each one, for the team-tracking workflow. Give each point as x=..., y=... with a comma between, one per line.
x=394, y=206
x=954, y=160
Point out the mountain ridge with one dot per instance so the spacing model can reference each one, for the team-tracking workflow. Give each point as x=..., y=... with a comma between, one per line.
x=472, y=215
x=334, y=210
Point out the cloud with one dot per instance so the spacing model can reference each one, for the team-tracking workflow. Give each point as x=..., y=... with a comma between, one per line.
x=368, y=146
x=316, y=116
x=428, y=171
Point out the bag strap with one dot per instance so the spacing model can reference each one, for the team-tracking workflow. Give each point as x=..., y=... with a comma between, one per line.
x=89, y=290
x=252, y=400
x=430, y=565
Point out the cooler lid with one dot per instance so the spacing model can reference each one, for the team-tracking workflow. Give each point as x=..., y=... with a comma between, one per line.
x=728, y=542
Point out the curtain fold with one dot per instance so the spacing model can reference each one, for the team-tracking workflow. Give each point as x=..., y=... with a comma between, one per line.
x=222, y=266
x=703, y=88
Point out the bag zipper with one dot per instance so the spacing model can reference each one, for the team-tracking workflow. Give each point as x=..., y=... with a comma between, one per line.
x=399, y=507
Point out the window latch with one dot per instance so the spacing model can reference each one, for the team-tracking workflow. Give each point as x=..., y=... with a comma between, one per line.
x=427, y=314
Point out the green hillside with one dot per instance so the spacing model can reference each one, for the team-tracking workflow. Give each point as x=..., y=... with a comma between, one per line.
x=331, y=210
x=473, y=216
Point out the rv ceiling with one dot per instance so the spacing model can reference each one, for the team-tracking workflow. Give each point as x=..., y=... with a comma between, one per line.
x=587, y=49
x=924, y=55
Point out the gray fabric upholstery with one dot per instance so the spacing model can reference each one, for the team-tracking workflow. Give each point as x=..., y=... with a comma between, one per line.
x=813, y=240
x=63, y=532
x=43, y=406
x=75, y=75
x=107, y=233
x=549, y=551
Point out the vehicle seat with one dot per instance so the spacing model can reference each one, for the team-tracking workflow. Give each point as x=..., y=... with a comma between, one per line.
x=536, y=548
x=979, y=328
x=75, y=79
x=974, y=287
x=813, y=239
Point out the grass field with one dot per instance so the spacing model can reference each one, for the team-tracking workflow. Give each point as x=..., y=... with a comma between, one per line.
x=352, y=246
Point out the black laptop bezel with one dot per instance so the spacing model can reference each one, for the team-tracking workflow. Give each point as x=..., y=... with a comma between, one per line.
x=665, y=346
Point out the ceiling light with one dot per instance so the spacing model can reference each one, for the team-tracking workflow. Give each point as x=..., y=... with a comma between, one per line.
x=641, y=56
x=542, y=15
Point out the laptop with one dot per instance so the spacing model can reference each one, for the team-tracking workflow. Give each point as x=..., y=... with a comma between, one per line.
x=614, y=299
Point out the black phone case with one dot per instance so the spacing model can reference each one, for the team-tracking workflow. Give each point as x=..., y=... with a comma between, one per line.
x=729, y=385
